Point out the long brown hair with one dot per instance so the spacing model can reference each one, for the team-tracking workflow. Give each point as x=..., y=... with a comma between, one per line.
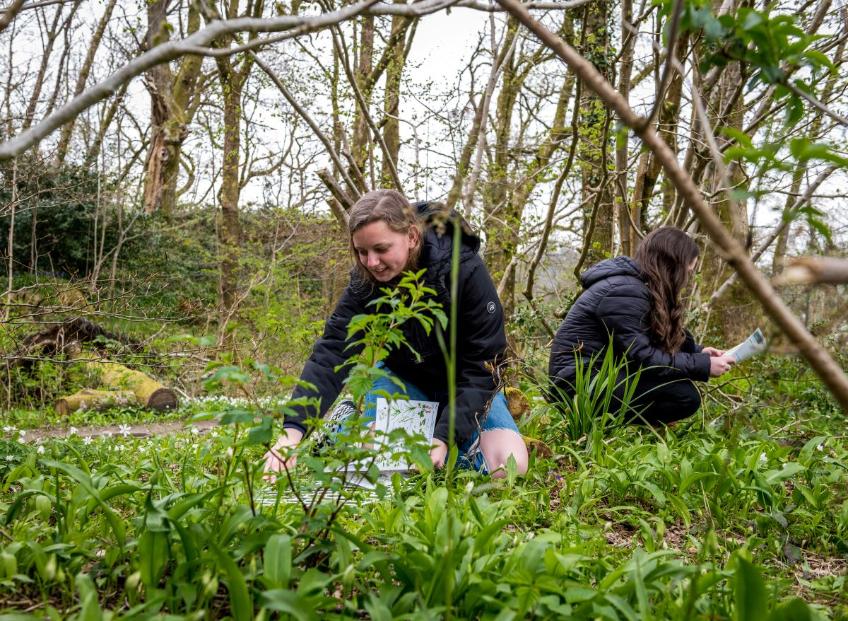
x=391, y=207
x=664, y=257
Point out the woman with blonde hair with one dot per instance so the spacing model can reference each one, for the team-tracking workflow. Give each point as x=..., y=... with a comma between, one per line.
x=388, y=237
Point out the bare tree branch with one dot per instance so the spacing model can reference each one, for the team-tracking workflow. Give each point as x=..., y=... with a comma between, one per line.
x=670, y=51
x=341, y=197
x=818, y=357
x=483, y=114
x=814, y=271
x=9, y=13
x=785, y=222
x=165, y=53
x=43, y=3
x=309, y=121
x=418, y=9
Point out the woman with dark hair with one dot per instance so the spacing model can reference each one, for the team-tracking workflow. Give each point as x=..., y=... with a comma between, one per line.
x=388, y=236
x=635, y=305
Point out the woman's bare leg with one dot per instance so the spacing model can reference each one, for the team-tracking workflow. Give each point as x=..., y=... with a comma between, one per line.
x=498, y=445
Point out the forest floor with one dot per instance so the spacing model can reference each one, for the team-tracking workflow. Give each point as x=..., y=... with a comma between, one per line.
x=739, y=512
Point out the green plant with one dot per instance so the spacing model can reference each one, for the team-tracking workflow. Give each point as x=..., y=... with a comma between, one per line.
x=599, y=401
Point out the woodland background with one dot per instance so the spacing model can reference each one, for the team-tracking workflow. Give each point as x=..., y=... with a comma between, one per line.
x=178, y=172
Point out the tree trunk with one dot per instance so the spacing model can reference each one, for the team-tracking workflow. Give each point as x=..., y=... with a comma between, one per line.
x=229, y=227
x=171, y=112
x=668, y=119
x=735, y=314
x=391, y=99
x=361, y=143
x=629, y=236
x=596, y=192
x=501, y=230
x=10, y=242
x=90, y=399
x=537, y=170
x=479, y=122
x=148, y=392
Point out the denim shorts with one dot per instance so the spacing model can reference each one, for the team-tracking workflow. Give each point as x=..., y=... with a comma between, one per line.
x=498, y=416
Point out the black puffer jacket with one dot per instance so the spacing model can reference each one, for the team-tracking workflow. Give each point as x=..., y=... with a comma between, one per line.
x=481, y=339
x=616, y=301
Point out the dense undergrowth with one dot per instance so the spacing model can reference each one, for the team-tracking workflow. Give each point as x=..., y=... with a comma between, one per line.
x=739, y=512
x=731, y=514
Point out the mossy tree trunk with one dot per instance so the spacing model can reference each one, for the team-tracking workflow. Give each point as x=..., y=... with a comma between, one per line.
x=174, y=98
x=397, y=51
x=593, y=154
x=232, y=77
x=361, y=145
x=501, y=230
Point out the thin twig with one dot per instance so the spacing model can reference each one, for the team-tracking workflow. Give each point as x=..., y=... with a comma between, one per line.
x=309, y=121
x=778, y=230
x=363, y=106
x=670, y=59
x=471, y=183
x=816, y=104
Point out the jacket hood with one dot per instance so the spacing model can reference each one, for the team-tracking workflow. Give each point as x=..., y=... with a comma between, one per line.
x=619, y=266
x=438, y=233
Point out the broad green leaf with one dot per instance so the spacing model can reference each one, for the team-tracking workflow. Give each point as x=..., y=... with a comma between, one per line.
x=793, y=610
x=289, y=602
x=751, y=602
x=241, y=606
x=789, y=470
x=85, y=482
x=278, y=560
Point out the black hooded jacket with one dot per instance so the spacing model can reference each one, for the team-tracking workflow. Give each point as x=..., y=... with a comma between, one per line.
x=616, y=302
x=481, y=339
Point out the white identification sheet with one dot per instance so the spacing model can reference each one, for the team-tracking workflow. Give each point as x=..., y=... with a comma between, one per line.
x=753, y=345
x=416, y=417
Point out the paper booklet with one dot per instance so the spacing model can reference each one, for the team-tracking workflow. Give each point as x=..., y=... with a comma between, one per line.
x=416, y=417
x=753, y=345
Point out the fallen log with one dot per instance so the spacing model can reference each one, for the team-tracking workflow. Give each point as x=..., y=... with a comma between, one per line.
x=90, y=399
x=148, y=392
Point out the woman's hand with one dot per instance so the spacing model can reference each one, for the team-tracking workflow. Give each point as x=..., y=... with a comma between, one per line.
x=712, y=351
x=275, y=459
x=438, y=453
x=719, y=365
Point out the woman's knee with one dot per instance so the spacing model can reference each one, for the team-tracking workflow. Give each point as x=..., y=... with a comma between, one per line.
x=498, y=445
x=690, y=400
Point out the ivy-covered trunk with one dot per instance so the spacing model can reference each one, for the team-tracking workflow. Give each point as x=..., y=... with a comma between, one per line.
x=229, y=228
x=594, y=143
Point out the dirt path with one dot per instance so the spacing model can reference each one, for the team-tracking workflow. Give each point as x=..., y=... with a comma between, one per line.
x=136, y=431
